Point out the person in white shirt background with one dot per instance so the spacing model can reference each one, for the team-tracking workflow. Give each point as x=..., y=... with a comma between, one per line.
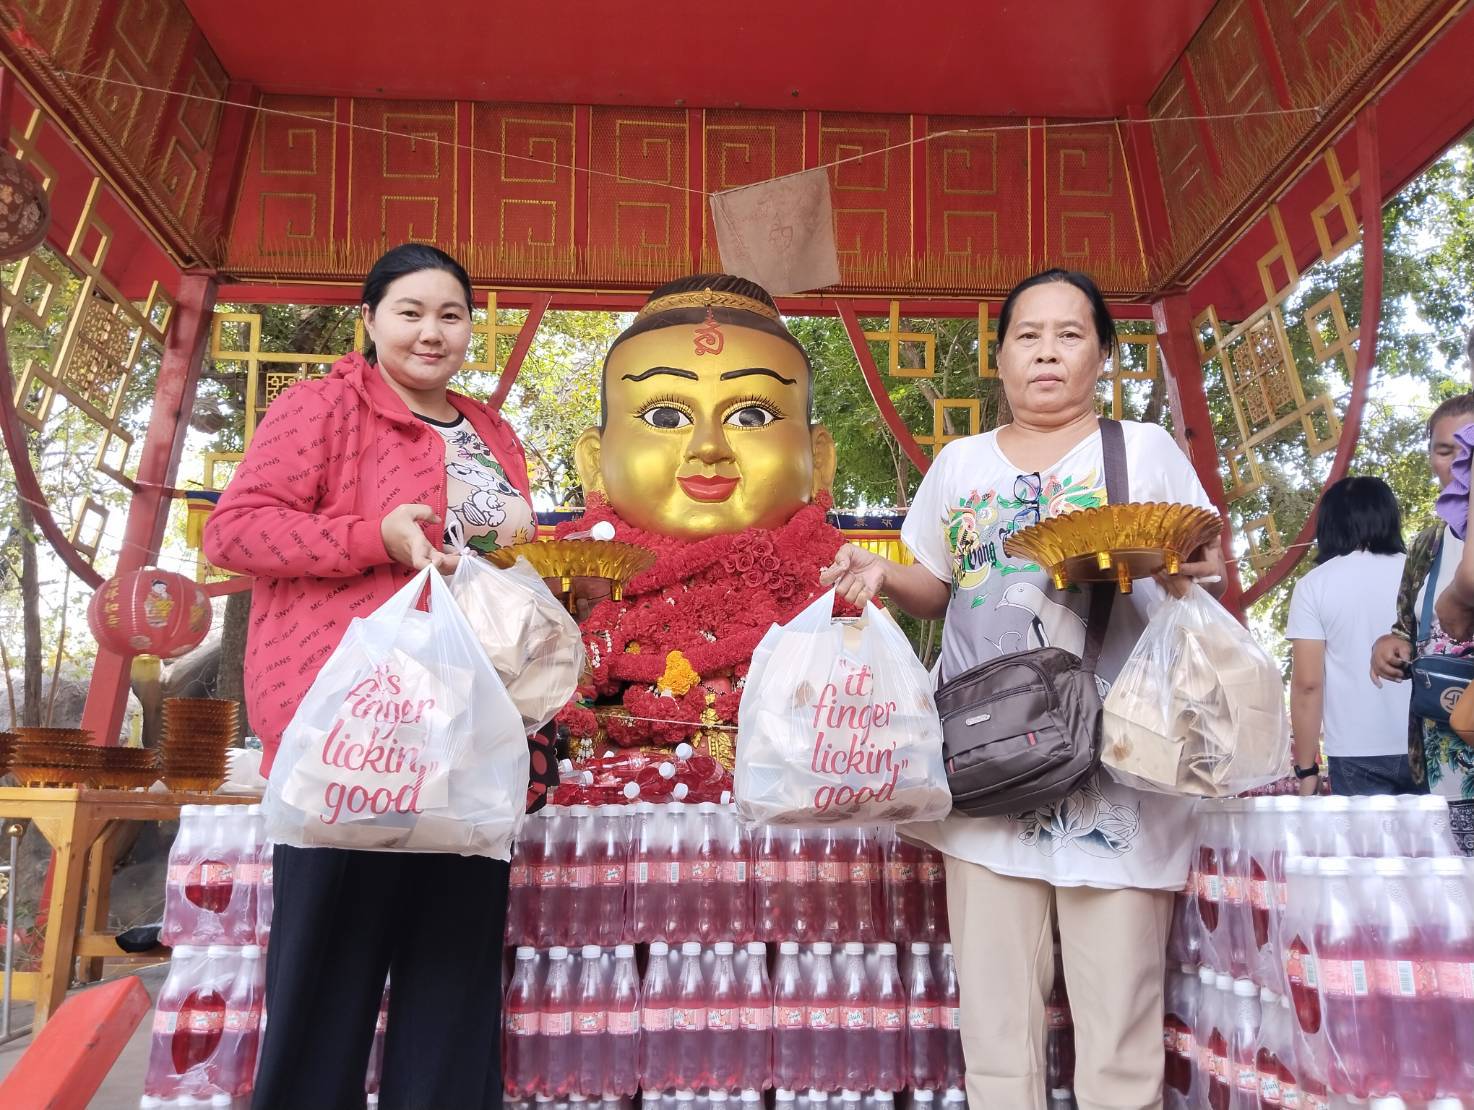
x=1106, y=859
x=1337, y=611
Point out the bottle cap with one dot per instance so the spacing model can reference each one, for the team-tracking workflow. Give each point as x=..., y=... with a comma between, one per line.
x=1388, y=1102
x=883, y=1096
x=1205, y=976
x=716, y=1096
x=854, y=948
x=886, y=948
x=783, y=1094
x=685, y=1096
x=706, y=808
x=823, y=948
x=786, y=948
x=644, y=809
x=1267, y=997
x=1287, y=803
x=592, y=951
x=1433, y=803
x=1333, y=866
x=680, y=792
x=575, y=1097
x=667, y=770
x=920, y=948
x=816, y=1095
x=624, y=951
x=722, y=948
x=542, y=1098
x=726, y=797
x=220, y=1099
x=690, y=948
x=1223, y=983
x=251, y=952
x=1438, y=865
x=1394, y=866
x=756, y=948
x=1245, y=988
x=849, y=1096
x=684, y=750
x=923, y=1097
x=1336, y=803
x=1062, y=1094
x=253, y=811
x=218, y=951
x=579, y=810
x=1379, y=803
x=1188, y=969
x=659, y=948
x=565, y=766
x=750, y=1095
x=557, y=952
x=148, y=1102
x=610, y=809
x=526, y=952
x=184, y=952
x=186, y=1100
x=954, y=1094
x=946, y=948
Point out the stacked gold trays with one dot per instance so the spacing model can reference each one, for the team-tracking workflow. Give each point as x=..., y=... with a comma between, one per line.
x=7, y=748
x=1115, y=543
x=569, y=559
x=55, y=757
x=197, y=734
x=129, y=768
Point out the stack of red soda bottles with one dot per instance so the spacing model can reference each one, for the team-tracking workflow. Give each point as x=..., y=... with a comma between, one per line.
x=1323, y=956
x=737, y=959
x=217, y=919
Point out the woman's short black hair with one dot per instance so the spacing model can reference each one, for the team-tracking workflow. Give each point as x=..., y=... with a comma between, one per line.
x=1105, y=324
x=1358, y=514
x=408, y=258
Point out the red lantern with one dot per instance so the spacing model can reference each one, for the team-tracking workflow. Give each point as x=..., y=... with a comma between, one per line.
x=149, y=612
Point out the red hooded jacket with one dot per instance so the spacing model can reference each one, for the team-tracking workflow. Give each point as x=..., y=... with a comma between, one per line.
x=302, y=513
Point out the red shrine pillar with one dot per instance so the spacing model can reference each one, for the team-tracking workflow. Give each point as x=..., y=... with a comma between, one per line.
x=1192, y=420
x=148, y=513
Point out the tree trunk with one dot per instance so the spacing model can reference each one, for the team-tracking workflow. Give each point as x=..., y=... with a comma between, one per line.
x=30, y=597
x=230, y=680
x=1153, y=412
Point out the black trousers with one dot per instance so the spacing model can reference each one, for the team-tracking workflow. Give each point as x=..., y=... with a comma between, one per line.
x=342, y=921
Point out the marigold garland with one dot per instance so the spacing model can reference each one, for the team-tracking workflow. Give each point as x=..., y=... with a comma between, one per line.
x=687, y=627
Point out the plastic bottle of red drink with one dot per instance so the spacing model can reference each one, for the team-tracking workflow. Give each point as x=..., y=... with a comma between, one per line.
x=954, y=1072
x=552, y=878
x=532, y=844
x=680, y=856
x=623, y=1026
x=889, y=1005
x=703, y=887
x=770, y=885
x=606, y=899
x=1424, y=826
x=755, y=1019
x=1202, y=1079
x=658, y=1048
x=241, y=1037
x=582, y=836
x=1345, y=947
x=591, y=1023
x=173, y=1014
x=833, y=876
x=932, y=882
x=688, y=1021
x=826, y=1038
x=1059, y=1044
x=1260, y=838
x=925, y=1053
x=1405, y=983
x=736, y=894
x=1220, y=1013
x=520, y=899
x=790, y=1034
x=1297, y=930
x=856, y=1021
x=902, y=890
x=1210, y=879
x=648, y=894
x=185, y=855
x=1243, y=1045
x=724, y=1037
x=212, y=883
x=522, y=1056
x=1449, y=925
x=555, y=1014
x=1272, y=1055
x=801, y=870
x=864, y=887
x=1236, y=926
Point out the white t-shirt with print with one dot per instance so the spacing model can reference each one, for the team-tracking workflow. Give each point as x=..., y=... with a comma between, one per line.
x=1348, y=602
x=485, y=511
x=974, y=497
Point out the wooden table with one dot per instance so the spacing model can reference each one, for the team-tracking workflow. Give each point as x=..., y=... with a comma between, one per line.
x=83, y=826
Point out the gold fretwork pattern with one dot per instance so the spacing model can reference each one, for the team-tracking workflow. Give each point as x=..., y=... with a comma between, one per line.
x=893, y=337
x=1265, y=543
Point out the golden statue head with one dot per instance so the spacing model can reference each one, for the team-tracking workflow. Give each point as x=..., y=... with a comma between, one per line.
x=707, y=408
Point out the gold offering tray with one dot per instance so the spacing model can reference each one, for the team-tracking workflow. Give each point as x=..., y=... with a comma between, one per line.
x=569, y=559
x=1115, y=543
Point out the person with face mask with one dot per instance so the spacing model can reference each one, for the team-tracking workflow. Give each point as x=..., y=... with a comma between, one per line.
x=353, y=483
x=1106, y=859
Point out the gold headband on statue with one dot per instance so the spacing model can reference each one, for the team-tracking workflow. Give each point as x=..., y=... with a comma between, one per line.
x=706, y=298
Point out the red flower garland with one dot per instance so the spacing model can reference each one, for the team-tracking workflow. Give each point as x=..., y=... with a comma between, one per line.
x=712, y=600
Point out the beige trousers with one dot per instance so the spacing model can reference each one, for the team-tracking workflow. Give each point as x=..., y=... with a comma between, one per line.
x=1114, y=945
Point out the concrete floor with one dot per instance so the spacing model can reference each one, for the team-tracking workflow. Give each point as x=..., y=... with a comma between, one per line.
x=124, y=1084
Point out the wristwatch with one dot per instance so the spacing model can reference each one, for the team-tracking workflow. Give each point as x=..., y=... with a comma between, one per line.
x=1308, y=772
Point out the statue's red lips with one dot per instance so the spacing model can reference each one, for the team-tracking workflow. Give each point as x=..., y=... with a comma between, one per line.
x=701, y=488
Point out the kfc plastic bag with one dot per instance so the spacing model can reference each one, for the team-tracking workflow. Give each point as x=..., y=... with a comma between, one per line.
x=1198, y=708
x=406, y=741
x=529, y=637
x=837, y=725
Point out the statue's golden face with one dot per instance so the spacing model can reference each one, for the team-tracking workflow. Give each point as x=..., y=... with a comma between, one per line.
x=699, y=444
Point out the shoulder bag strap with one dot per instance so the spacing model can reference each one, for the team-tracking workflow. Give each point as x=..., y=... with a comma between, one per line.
x=1430, y=591
x=1118, y=492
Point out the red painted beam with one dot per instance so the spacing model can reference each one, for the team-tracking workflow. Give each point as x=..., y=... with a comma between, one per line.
x=878, y=394
x=1149, y=196
x=65, y=1065
x=1369, y=163
x=509, y=374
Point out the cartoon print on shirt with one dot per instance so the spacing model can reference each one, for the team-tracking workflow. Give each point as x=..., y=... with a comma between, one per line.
x=1053, y=624
x=1086, y=820
x=484, y=507
x=964, y=526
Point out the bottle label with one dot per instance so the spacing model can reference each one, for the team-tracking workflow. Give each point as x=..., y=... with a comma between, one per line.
x=1269, y=1090
x=858, y=1018
x=517, y=875
x=700, y=871
x=557, y=1023
x=1248, y=1078
x=890, y=1019
x=1455, y=980
x=642, y=872
x=721, y=1019
x=801, y=871
x=249, y=872
x=932, y=871
x=1233, y=889
x=166, y=1021
x=733, y=872
x=1205, y=1059
x=767, y=871
x=688, y=1019
x=899, y=871
x=1310, y=1100
x=1345, y=978
x=1057, y=1017
x=673, y=872
x=581, y=876
x=625, y=1024
x=1289, y=1096
x=1281, y=893
x=951, y=1018
x=823, y=1017
x=1169, y=1038
x=1405, y=978
x=202, y=1021
x=788, y=1017
x=1300, y=966
x=830, y=872
x=1218, y=1067
x=862, y=872
x=549, y=876
x=755, y=1017
x=656, y=1020
x=1259, y=894
x=591, y=1022
x=523, y=1024
x=610, y=874
x=179, y=872
x=241, y=1021
x=921, y=1017
x=1185, y=1045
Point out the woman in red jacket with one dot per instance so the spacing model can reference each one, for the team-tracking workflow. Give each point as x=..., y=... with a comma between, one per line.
x=352, y=483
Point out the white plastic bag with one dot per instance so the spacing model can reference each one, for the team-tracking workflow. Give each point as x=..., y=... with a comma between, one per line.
x=1199, y=708
x=529, y=637
x=406, y=741
x=837, y=725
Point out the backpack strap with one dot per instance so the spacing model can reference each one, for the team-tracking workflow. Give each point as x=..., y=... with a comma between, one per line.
x=1118, y=492
x=1430, y=590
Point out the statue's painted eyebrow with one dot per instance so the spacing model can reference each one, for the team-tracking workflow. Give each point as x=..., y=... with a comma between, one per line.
x=730, y=374
x=672, y=370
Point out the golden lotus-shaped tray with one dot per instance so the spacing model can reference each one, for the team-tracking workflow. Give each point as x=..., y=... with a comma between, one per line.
x=570, y=559
x=1115, y=543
